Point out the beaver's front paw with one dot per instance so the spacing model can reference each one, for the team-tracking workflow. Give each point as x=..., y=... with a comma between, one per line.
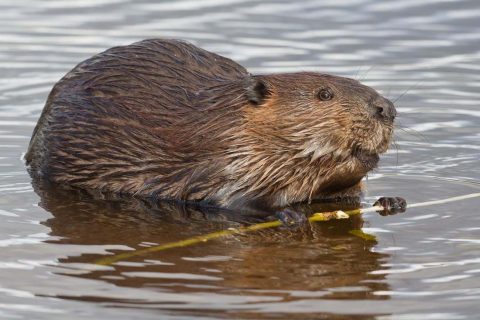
x=391, y=205
x=291, y=218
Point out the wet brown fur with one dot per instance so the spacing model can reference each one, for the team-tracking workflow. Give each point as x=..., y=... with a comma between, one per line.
x=165, y=119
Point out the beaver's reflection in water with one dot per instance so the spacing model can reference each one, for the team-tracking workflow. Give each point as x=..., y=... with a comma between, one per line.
x=323, y=257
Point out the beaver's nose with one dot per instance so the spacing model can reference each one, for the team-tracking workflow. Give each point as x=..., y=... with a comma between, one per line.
x=383, y=109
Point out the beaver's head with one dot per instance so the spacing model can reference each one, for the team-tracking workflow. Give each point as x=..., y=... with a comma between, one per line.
x=318, y=114
x=314, y=131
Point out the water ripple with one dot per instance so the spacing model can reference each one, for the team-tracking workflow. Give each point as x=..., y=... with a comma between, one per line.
x=423, y=264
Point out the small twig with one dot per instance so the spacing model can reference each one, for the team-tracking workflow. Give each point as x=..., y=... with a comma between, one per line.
x=316, y=217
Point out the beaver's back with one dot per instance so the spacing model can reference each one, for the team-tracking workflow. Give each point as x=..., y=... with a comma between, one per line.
x=104, y=114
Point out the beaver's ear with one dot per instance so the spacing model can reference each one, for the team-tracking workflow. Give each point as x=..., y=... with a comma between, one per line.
x=257, y=91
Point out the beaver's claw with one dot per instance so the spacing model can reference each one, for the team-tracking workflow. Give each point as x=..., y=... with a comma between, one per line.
x=391, y=205
x=291, y=218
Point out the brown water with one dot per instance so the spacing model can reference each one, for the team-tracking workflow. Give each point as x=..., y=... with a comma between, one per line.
x=424, y=264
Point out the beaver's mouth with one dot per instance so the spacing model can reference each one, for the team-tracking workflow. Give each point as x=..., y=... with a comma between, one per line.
x=367, y=159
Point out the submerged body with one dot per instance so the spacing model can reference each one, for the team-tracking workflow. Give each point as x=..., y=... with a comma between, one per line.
x=165, y=119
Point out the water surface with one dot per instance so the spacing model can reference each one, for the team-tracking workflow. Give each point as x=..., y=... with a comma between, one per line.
x=424, y=264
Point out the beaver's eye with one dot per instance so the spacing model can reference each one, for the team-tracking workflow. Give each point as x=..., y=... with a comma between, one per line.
x=325, y=94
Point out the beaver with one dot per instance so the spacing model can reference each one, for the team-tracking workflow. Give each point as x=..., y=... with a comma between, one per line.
x=164, y=119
